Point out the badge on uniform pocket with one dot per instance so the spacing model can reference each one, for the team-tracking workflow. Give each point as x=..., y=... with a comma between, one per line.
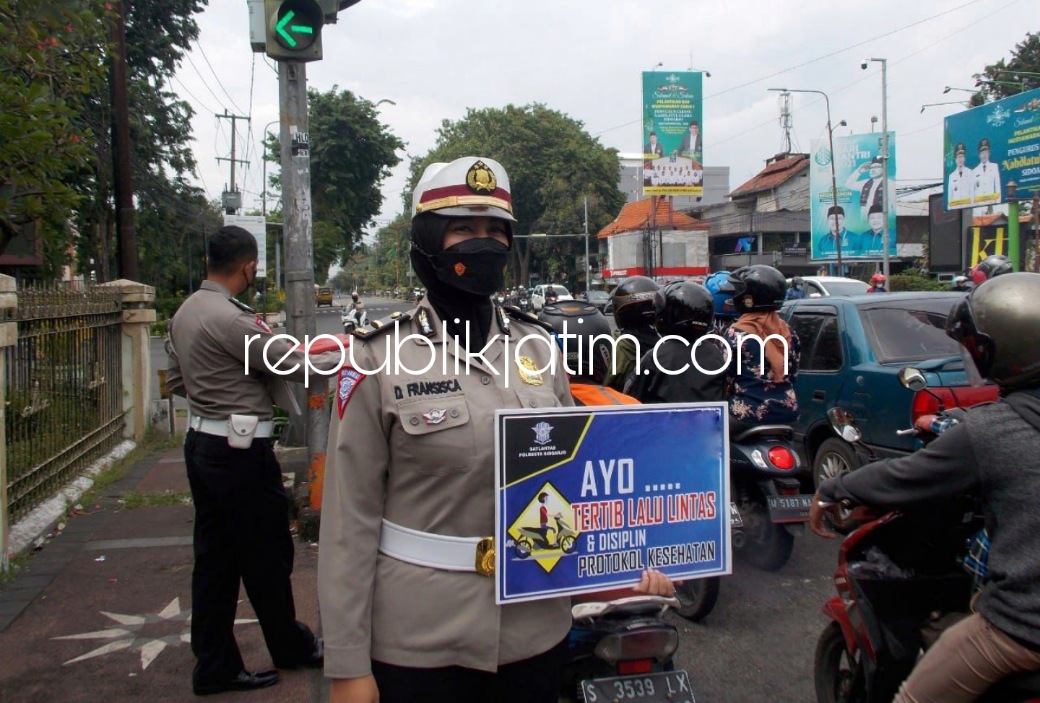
x=528, y=371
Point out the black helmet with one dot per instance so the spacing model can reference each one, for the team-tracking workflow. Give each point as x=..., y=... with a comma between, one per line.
x=634, y=302
x=591, y=333
x=686, y=310
x=757, y=287
x=991, y=266
x=999, y=326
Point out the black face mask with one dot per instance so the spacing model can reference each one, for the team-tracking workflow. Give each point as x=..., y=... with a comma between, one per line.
x=475, y=265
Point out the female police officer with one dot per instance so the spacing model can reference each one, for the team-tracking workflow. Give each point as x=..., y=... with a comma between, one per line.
x=408, y=609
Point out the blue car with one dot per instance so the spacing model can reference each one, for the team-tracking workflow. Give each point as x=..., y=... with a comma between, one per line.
x=852, y=350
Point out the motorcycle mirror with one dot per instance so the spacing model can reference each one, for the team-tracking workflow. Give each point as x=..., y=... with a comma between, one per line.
x=844, y=424
x=912, y=379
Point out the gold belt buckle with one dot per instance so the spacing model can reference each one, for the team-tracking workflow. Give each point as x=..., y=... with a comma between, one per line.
x=486, y=556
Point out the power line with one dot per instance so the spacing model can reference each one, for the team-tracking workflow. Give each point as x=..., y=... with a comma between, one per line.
x=191, y=95
x=812, y=61
x=206, y=59
x=203, y=79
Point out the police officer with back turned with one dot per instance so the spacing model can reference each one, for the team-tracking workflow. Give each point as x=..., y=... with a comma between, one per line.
x=217, y=360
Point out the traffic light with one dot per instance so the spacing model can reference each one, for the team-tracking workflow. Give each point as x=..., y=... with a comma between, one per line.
x=294, y=29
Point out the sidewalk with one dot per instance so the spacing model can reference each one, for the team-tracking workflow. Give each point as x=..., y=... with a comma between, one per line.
x=102, y=612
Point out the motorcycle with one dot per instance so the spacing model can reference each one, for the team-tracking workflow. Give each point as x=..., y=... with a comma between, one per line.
x=531, y=538
x=622, y=650
x=766, y=479
x=353, y=319
x=697, y=597
x=901, y=580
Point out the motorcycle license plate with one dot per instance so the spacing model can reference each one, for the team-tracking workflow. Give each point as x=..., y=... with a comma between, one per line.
x=658, y=687
x=790, y=508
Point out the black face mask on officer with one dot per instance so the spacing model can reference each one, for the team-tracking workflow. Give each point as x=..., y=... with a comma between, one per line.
x=250, y=281
x=474, y=265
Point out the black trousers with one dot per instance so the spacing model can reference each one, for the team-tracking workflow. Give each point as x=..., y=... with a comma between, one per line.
x=241, y=534
x=534, y=680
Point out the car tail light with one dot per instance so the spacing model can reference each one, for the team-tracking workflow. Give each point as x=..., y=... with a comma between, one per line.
x=649, y=643
x=925, y=402
x=636, y=666
x=782, y=458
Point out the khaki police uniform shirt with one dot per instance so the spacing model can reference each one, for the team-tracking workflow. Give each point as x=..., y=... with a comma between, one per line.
x=389, y=457
x=208, y=354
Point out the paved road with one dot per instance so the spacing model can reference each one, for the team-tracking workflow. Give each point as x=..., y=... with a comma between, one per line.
x=758, y=644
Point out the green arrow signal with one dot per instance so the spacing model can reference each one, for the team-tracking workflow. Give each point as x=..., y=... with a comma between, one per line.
x=297, y=28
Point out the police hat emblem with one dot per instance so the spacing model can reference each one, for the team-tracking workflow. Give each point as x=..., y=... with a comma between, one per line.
x=481, y=179
x=960, y=149
x=984, y=144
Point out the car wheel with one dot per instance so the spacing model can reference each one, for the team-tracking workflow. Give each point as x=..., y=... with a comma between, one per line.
x=833, y=458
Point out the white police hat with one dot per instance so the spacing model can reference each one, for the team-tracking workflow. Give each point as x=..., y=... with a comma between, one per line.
x=472, y=186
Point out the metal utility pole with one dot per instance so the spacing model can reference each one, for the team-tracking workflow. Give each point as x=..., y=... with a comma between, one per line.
x=299, y=251
x=884, y=155
x=124, y=190
x=229, y=208
x=588, y=278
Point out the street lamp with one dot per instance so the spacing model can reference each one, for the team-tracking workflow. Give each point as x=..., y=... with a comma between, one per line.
x=884, y=156
x=384, y=100
x=947, y=89
x=834, y=181
x=952, y=102
x=657, y=65
x=691, y=69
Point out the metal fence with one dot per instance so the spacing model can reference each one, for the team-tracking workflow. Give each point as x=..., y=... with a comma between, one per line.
x=64, y=388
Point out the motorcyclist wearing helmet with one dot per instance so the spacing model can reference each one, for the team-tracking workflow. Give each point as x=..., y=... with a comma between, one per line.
x=992, y=454
x=961, y=284
x=683, y=314
x=587, y=351
x=877, y=283
x=725, y=313
x=634, y=315
x=355, y=303
x=797, y=289
x=763, y=379
x=991, y=266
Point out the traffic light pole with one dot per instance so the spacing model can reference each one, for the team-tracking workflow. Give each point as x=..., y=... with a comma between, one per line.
x=299, y=255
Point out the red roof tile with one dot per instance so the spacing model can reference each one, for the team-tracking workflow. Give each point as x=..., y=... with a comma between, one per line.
x=636, y=216
x=773, y=175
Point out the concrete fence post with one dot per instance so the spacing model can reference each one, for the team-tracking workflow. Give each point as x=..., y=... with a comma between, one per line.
x=138, y=313
x=8, y=337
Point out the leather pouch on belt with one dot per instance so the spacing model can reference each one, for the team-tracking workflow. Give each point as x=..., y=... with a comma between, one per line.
x=241, y=429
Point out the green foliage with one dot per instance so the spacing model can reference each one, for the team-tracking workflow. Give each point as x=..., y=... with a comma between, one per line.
x=912, y=280
x=1009, y=77
x=553, y=165
x=51, y=65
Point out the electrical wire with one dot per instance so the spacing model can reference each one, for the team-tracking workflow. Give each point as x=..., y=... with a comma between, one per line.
x=814, y=60
x=205, y=83
x=191, y=95
x=219, y=82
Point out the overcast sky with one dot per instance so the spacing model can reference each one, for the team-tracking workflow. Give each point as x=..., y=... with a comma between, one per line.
x=436, y=58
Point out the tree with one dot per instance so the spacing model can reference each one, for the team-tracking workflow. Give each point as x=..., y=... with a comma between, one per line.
x=51, y=63
x=1009, y=77
x=352, y=153
x=158, y=36
x=553, y=165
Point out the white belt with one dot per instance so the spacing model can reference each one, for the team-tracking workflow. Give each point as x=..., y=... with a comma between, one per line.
x=206, y=425
x=437, y=551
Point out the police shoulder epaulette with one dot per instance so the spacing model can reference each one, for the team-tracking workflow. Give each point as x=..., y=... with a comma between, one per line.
x=241, y=306
x=518, y=314
x=376, y=327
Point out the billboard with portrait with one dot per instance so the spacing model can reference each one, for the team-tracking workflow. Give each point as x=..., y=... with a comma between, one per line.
x=851, y=216
x=986, y=147
x=673, y=134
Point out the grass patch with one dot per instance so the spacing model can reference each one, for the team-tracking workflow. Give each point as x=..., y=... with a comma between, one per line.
x=153, y=442
x=15, y=566
x=132, y=500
